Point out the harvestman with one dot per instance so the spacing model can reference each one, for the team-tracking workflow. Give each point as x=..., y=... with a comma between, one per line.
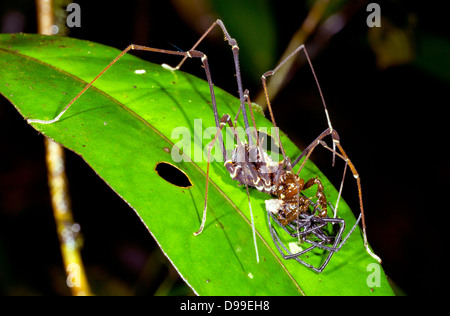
x=244, y=158
x=251, y=166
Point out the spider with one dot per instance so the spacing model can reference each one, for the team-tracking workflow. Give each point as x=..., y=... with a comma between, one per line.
x=306, y=225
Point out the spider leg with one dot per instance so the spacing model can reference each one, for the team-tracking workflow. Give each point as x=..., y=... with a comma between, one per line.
x=282, y=249
x=287, y=254
x=349, y=233
x=309, y=224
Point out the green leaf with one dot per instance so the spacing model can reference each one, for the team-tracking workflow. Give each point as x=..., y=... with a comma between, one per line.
x=122, y=127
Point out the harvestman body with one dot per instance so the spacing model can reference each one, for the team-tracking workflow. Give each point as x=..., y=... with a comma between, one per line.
x=251, y=166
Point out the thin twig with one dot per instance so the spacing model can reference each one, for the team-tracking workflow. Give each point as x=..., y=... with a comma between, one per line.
x=68, y=230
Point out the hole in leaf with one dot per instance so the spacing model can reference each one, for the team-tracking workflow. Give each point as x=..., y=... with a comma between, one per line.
x=173, y=175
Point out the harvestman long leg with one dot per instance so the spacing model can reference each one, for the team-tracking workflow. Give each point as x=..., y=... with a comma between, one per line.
x=243, y=97
x=272, y=72
x=235, y=49
x=192, y=53
x=226, y=119
x=329, y=131
x=188, y=54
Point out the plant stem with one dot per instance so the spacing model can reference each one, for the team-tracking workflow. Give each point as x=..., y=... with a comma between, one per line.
x=67, y=229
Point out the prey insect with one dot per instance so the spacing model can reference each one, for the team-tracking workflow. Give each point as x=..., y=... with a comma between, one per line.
x=250, y=165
